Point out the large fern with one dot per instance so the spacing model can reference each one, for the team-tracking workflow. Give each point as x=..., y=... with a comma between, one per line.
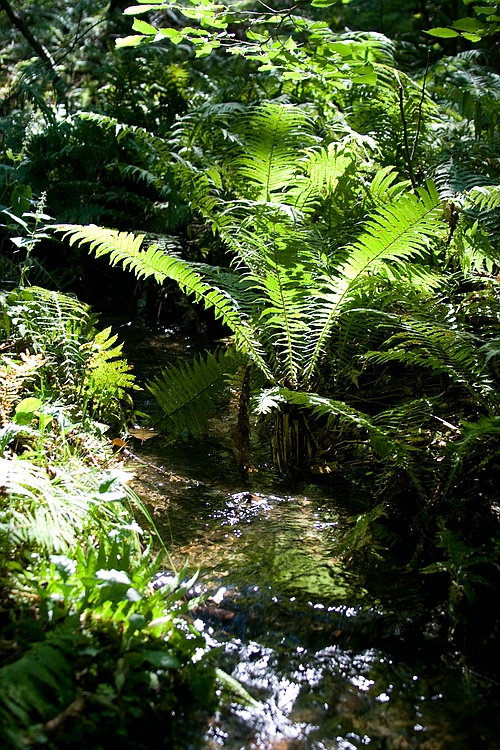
x=291, y=280
x=52, y=324
x=34, y=685
x=125, y=249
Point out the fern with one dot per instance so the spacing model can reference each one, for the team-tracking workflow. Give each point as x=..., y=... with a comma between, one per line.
x=107, y=378
x=274, y=137
x=39, y=511
x=484, y=197
x=385, y=445
x=442, y=349
x=50, y=512
x=187, y=393
x=35, y=684
x=125, y=249
x=52, y=324
x=396, y=235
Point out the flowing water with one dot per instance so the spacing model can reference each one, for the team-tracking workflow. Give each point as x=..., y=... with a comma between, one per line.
x=334, y=660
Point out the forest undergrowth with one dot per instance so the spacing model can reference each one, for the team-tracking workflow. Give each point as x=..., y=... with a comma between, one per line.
x=316, y=187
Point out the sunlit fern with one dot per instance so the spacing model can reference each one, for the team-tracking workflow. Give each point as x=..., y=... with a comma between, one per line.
x=49, y=512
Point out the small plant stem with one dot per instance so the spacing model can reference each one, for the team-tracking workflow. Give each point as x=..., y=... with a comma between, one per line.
x=420, y=106
x=405, y=137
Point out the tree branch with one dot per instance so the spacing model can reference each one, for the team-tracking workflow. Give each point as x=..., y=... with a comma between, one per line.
x=40, y=50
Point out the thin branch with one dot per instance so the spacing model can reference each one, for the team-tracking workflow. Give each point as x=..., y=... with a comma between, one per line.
x=40, y=50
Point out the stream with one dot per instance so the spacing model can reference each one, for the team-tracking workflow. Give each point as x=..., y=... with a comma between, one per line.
x=335, y=660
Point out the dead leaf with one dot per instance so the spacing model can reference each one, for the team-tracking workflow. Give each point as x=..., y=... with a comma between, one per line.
x=119, y=443
x=142, y=434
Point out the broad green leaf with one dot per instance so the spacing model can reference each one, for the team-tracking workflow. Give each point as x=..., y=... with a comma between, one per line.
x=137, y=621
x=162, y=660
x=323, y=3
x=143, y=27
x=442, y=32
x=485, y=10
x=25, y=410
x=174, y=35
x=468, y=24
x=135, y=10
x=129, y=41
x=20, y=199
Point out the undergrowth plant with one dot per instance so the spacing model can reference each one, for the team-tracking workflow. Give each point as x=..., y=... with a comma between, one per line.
x=107, y=654
x=291, y=282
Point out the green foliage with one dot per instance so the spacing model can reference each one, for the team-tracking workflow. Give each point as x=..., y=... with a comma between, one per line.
x=48, y=507
x=82, y=365
x=485, y=23
x=293, y=281
x=188, y=393
x=111, y=653
x=340, y=188
x=462, y=563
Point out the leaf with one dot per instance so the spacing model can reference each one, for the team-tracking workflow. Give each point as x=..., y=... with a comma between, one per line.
x=140, y=433
x=442, y=32
x=129, y=41
x=135, y=10
x=162, y=660
x=143, y=27
x=323, y=3
x=25, y=410
x=468, y=24
x=236, y=688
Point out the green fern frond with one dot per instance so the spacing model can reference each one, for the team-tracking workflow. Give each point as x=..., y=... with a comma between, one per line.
x=189, y=392
x=380, y=438
x=38, y=511
x=485, y=197
x=52, y=324
x=385, y=186
x=399, y=232
x=107, y=376
x=32, y=687
x=440, y=348
x=324, y=171
x=125, y=249
x=392, y=240
x=274, y=137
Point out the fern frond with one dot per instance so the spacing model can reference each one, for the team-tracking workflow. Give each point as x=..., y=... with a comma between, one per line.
x=456, y=173
x=189, y=392
x=274, y=137
x=385, y=186
x=31, y=687
x=52, y=324
x=107, y=376
x=38, y=510
x=440, y=348
x=393, y=238
x=399, y=232
x=485, y=197
x=324, y=173
x=384, y=444
x=125, y=250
